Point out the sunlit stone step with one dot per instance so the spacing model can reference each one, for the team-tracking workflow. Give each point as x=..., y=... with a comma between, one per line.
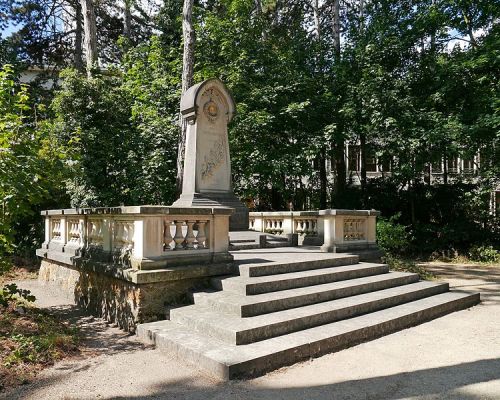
x=235, y=330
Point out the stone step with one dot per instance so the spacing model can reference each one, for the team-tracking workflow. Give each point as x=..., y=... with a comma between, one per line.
x=236, y=330
x=227, y=361
x=276, y=238
x=234, y=241
x=243, y=246
x=249, y=306
x=273, y=268
x=272, y=283
x=275, y=244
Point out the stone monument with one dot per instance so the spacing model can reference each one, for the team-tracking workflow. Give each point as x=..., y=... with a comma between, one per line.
x=207, y=108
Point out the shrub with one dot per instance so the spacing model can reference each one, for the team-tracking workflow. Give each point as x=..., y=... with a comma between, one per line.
x=486, y=254
x=11, y=293
x=392, y=237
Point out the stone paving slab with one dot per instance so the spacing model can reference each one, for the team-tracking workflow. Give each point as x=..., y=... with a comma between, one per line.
x=235, y=330
x=271, y=283
x=229, y=361
x=247, y=306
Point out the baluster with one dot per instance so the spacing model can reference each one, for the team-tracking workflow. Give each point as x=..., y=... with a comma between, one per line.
x=179, y=237
x=167, y=236
x=190, y=235
x=120, y=234
x=128, y=230
x=200, y=237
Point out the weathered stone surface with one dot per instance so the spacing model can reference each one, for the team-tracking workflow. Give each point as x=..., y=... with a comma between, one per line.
x=237, y=332
x=106, y=293
x=208, y=107
x=230, y=361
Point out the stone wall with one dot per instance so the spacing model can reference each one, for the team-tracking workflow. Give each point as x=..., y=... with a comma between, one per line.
x=116, y=300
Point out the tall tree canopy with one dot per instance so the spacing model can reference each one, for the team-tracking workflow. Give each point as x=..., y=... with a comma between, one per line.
x=405, y=83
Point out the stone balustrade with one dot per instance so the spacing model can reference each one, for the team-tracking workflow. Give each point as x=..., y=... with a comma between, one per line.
x=141, y=237
x=335, y=230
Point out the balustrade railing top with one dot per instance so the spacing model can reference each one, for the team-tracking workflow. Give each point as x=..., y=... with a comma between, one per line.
x=140, y=237
x=333, y=229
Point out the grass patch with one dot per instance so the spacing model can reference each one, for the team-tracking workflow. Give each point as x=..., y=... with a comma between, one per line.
x=31, y=339
x=405, y=265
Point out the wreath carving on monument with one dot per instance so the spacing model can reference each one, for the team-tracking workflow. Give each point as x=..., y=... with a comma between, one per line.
x=211, y=110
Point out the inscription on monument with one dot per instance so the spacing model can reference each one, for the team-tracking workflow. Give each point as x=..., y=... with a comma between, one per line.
x=215, y=158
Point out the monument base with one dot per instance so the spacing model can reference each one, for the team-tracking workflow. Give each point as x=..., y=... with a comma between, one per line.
x=238, y=220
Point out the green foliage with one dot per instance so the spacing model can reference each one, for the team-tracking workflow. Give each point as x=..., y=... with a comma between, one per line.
x=486, y=254
x=11, y=292
x=30, y=167
x=33, y=339
x=120, y=131
x=398, y=88
x=392, y=238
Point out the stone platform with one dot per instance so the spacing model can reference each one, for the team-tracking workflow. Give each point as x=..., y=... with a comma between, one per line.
x=291, y=304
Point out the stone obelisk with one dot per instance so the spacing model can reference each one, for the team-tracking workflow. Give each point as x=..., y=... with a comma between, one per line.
x=208, y=107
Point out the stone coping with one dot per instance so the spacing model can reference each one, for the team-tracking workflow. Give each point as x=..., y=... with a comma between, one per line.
x=314, y=213
x=222, y=264
x=141, y=210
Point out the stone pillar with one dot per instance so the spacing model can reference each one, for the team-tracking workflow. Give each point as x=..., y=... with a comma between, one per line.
x=208, y=107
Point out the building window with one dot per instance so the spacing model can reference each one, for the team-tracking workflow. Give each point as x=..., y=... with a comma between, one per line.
x=496, y=196
x=452, y=165
x=371, y=161
x=353, y=158
x=384, y=164
x=468, y=165
x=437, y=167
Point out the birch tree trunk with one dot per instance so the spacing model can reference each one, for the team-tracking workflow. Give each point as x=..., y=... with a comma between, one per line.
x=90, y=35
x=187, y=81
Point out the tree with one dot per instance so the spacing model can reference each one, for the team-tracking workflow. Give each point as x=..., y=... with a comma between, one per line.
x=188, y=34
x=30, y=168
x=90, y=35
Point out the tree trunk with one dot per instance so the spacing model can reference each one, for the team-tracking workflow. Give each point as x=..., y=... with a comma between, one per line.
x=315, y=7
x=468, y=24
x=187, y=81
x=90, y=35
x=127, y=19
x=322, y=182
x=78, y=56
x=445, y=169
x=362, y=154
x=336, y=27
x=339, y=144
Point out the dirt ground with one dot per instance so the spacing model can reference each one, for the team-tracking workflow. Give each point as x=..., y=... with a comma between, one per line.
x=453, y=357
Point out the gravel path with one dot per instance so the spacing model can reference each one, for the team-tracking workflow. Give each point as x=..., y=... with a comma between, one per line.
x=453, y=357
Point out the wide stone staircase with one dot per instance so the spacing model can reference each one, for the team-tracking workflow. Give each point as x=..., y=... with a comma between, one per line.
x=276, y=313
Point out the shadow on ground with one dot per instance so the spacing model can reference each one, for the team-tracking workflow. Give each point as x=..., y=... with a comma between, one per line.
x=446, y=382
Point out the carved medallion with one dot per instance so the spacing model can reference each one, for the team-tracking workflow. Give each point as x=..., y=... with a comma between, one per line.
x=211, y=110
